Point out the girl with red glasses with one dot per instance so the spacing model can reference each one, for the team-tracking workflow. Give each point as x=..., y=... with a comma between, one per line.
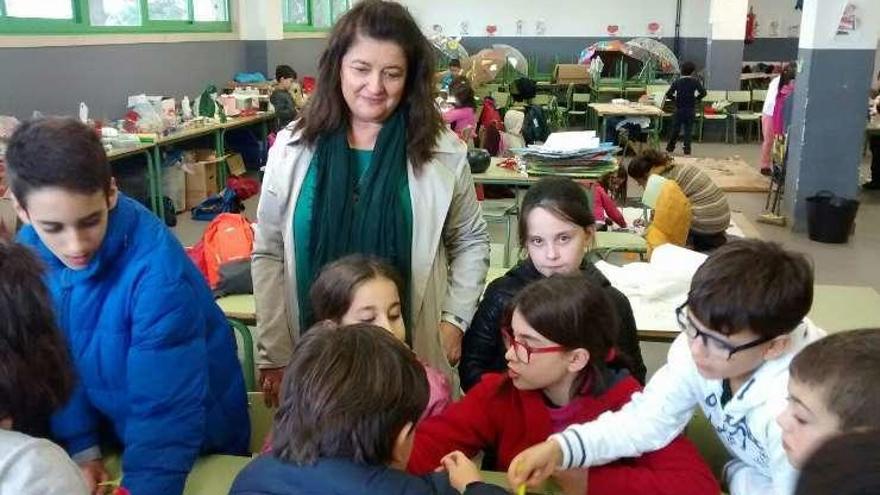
x=562, y=368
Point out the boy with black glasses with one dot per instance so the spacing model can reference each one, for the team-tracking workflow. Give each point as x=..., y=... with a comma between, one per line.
x=742, y=324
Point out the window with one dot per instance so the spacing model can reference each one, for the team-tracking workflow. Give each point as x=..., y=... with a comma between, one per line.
x=43, y=9
x=319, y=15
x=103, y=16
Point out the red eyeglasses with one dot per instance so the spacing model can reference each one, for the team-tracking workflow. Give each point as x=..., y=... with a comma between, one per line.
x=523, y=351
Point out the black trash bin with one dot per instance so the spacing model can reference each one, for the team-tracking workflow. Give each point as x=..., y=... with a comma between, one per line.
x=830, y=218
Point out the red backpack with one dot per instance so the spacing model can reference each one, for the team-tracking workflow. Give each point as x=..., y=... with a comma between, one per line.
x=490, y=115
x=229, y=237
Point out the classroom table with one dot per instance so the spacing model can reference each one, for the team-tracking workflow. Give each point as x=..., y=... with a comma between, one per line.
x=262, y=119
x=154, y=173
x=873, y=126
x=604, y=110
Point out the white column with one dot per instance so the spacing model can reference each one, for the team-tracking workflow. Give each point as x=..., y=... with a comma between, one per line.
x=260, y=19
x=727, y=29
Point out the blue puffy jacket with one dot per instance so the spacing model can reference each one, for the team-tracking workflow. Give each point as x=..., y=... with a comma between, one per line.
x=155, y=356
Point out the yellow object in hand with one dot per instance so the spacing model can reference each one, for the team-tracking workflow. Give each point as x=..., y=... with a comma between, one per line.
x=521, y=490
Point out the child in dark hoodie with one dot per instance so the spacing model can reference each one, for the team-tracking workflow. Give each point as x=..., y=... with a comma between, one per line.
x=351, y=398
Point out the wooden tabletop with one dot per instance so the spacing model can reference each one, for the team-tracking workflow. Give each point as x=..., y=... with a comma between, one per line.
x=637, y=110
x=233, y=122
x=188, y=133
x=503, y=176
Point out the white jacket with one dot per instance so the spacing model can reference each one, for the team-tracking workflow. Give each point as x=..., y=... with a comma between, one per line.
x=450, y=249
x=746, y=425
x=34, y=466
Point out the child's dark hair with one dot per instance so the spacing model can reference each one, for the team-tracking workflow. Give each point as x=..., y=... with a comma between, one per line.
x=462, y=92
x=845, y=368
x=36, y=376
x=454, y=62
x=847, y=464
x=789, y=73
x=561, y=196
x=284, y=72
x=347, y=393
x=575, y=313
x=333, y=290
x=752, y=285
x=688, y=68
x=640, y=167
x=56, y=152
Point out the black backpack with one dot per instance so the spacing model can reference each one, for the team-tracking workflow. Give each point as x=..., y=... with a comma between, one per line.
x=535, y=126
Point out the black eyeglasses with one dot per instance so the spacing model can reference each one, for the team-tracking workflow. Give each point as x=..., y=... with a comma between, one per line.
x=716, y=345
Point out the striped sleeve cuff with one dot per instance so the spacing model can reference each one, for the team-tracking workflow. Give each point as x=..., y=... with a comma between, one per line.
x=574, y=451
x=87, y=455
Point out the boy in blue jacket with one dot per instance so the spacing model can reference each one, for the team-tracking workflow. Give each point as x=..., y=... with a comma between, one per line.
x=156, y=362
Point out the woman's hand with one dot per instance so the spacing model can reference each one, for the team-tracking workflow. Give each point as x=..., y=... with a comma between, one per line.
x=462, y=472
x=270, y=384
x=535, y=464
x=450, y=338
x=95, y=474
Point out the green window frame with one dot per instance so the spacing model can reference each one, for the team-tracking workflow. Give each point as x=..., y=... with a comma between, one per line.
x=309, y=25
x=81, y=23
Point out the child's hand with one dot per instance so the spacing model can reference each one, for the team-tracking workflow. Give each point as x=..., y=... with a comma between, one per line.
x=462, y=472
x=270, y=383
x=535, y=464
x=95, y=476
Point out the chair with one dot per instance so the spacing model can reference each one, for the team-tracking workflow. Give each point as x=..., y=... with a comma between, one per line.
x=702, y=434
x=713, y=97
x=741, y=101
x=247, y=342
x=759, y=96
x=261, y=418
x=579, y=99
x=503, y=212
x=542, y=100
x=502, y=99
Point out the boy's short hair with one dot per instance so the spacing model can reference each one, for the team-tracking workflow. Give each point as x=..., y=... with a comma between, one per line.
x=348, y=392
x=752, y=285
x=846, y=368
x=284, y=71
x=847, y=464
x=688, y=68
x=454, y=62
x=56, y=152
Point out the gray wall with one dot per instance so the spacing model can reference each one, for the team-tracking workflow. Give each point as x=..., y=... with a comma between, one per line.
x=723, y=60
x=54, y=80
x=771, y=50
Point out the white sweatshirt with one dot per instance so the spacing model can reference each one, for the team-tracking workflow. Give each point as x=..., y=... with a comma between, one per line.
x=34, y=466
x=770, y=102
x=746, y=425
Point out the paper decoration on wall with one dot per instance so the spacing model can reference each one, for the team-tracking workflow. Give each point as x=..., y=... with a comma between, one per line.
x=519, y=27
x=540, y=28
x=655, y=28
x=464, y=28
x=491, y=29
x=774, y=29
x=437, y=29
x=848, y=20
x=612, y=29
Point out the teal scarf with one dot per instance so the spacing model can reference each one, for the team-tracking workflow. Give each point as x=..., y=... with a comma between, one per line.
x=363, y=215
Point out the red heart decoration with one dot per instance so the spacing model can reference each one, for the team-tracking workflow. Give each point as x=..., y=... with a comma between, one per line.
x=613, y=28
x=654, y=27
x=491, y=28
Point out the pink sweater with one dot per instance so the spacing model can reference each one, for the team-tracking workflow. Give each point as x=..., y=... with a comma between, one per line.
x=603, y=205
x=460, y=117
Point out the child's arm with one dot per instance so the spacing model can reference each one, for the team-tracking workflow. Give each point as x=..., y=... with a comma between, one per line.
x=701, y=91
x=167, y=376
x=465, y=426
x=482, y=342
x=671, y=92
x=610, y=207
x=75, y=426
x=650, y=421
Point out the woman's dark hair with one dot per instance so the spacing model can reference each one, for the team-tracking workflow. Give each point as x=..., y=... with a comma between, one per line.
x=563, y=197
x=688, y=68
x=846, y=464
x=347, y=393
x=752, y=285
x=332, y=292
x=788, y=74
x=640, y=167
x=462, y=92
x=36, y=376
x=284, y=72
x=56, y=152
x=326, y=110
x=575, y=313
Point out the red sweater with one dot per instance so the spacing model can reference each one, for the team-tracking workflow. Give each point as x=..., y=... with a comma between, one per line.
x=496, y=414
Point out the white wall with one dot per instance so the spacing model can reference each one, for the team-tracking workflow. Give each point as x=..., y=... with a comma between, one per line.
x=781, y=12
x=581, y=18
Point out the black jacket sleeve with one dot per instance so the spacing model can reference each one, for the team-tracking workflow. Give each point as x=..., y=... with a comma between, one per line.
x=671, y=93
x=482, y=349
x=627, y=336
x=701, y=91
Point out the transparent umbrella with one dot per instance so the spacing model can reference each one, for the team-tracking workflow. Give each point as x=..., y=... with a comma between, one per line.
x=664, y=59
x=514, y=58
x=449, y=47
x=485, y=65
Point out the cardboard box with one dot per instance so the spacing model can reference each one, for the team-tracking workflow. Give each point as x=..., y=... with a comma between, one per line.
x=201, y=177
x=235, y=163
x=571, y=74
